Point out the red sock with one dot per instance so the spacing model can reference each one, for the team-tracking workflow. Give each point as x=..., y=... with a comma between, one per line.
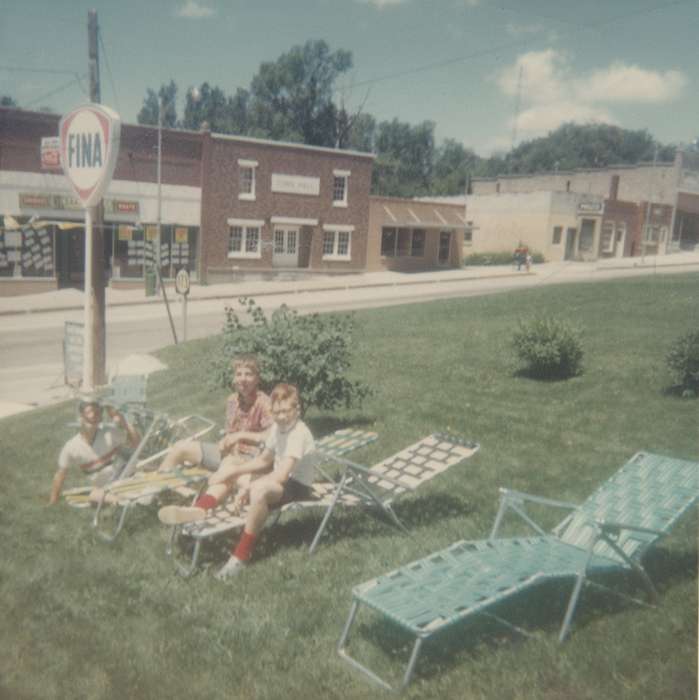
x=244, y=549
x=207, y=501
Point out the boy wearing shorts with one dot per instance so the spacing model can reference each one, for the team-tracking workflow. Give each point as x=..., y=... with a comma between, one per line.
x=248, y=418
x=284, y=471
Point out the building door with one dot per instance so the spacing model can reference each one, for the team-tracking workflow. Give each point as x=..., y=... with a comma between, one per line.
x=570, y=244
x=286, y=247
x=444, y=247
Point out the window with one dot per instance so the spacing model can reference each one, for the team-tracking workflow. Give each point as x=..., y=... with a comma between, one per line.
x=336, y=244
x=246, y=179
x=587, y=235
x=244, y=239
x=340, y=186
x=403, y=242
x=557, y=233
x=418, y=247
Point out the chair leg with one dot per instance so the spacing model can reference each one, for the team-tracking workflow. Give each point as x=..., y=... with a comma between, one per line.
x=571, y=606
x=342, y=651
x=185, y=571
x=106, y=536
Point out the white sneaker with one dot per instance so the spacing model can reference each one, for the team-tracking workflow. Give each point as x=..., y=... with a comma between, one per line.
x=231, y=568
x=179, y=515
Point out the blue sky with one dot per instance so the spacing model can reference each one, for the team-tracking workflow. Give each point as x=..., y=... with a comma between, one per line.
x=471, y=66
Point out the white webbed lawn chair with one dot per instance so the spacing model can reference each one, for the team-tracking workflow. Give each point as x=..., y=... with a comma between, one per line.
x=375, y=487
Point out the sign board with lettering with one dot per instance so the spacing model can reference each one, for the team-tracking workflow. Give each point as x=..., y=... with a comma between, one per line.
x=182, y=282
x=89, y=145
x=296, y=184
x=73, y=352
x=50, y=153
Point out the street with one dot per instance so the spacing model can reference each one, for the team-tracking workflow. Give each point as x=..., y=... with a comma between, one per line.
x=31, y=344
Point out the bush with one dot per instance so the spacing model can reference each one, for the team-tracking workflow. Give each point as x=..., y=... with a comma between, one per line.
x=548, y=348
x=311, y=352
x=499, y=258
x=683, y=361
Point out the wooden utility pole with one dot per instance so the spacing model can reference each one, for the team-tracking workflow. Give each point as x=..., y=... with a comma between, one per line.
x=97, y=289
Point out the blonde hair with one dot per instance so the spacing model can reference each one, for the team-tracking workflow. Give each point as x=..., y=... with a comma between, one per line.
x=285, y=392
x=249, y=361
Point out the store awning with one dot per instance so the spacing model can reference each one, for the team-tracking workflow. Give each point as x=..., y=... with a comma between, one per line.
x=407, y=213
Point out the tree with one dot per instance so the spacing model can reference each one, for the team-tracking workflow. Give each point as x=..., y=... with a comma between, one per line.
x=453, y=165
x=291, y=98
x=7, y=101
x=150, y=109
x=212, y=106
x=404, y=158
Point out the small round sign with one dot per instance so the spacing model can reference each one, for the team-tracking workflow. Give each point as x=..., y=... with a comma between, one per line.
x=182, y=282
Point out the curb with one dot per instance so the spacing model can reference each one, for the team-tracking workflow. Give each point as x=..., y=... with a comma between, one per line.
x=218, y=297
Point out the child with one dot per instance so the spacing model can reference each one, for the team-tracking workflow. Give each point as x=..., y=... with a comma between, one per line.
x=248, y=418
x=94, y=447
x=287, y=466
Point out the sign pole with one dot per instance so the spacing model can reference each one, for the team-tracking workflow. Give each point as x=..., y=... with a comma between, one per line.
x=88, y=355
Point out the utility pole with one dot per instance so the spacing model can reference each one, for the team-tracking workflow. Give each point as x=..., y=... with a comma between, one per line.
x=95, y=282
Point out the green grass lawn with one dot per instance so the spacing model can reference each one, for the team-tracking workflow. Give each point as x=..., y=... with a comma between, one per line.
x=83, y=619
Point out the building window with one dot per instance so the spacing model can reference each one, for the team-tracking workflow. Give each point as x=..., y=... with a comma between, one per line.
x=244, y=241
x=557, y=232
x=587, y=235
x=404, y=239
x=336, y=245
x=246, y=179
x=418, y=244
x=340, y=187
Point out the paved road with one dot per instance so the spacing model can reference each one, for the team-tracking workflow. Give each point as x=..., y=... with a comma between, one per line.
x=31, y=344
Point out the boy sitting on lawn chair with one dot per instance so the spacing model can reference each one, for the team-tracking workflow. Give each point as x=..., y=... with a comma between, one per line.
x=284, y=472
x=248, y=418
x=94, y=448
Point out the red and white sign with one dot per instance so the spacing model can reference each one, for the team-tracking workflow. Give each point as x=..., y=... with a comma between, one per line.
x=50, y=153
x=89, y=144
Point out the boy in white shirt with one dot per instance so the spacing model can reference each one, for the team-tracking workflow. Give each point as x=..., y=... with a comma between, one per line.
x=93, y=449
x=287, y=466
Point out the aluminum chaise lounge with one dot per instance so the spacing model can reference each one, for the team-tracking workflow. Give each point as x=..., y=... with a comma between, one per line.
x=375, y=487
x=609, y=532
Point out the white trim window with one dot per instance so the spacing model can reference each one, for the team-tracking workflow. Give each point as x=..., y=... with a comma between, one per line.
x=246, y=179
x=337, y=242
x=340, y=187
x=244, y=239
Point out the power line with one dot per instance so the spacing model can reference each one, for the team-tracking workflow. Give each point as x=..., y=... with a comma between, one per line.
x=58, y=89
x=22, y=69
x=516, y=44
x=109, y=71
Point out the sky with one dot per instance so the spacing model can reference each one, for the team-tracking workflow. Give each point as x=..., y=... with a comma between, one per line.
x=488, y=73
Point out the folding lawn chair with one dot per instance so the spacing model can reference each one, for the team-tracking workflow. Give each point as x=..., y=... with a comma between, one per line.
x=375, y=487
x=608, y=533
x=134, y=483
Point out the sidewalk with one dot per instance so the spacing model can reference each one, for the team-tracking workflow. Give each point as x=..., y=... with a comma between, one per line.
x=72, y=299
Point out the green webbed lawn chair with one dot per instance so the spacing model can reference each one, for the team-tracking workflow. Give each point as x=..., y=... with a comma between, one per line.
x=375, y=487
x=609, y=532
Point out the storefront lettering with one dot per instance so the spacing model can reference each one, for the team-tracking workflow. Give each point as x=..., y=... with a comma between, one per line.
x=85, y=150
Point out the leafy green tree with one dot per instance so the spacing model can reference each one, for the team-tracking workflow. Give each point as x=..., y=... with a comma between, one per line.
x=452, y=167
x=404, y=158
x=151, y=105
x=7, y=101
x=291, y=98
x=211, y=105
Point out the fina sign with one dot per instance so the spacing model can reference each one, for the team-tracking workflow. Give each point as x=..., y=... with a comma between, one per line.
x=89, y=145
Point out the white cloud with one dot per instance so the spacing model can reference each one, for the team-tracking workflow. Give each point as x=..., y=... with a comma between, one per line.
x=550, y=92
x=193, y=10
x=622, y=83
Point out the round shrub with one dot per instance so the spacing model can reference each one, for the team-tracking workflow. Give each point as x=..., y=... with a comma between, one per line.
x=683, y=361
x=548, y=348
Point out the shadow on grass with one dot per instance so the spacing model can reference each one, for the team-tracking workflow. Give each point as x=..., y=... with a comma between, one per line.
x=679, y=391
x=539, y=611
x=324, y=425
x=549, y=376
x=346, y=523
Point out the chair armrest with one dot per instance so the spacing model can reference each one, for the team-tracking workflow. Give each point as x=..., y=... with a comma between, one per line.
x=611, y=526
x=521, y=496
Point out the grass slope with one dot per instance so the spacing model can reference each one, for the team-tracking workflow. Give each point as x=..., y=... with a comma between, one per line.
x=82, y=619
